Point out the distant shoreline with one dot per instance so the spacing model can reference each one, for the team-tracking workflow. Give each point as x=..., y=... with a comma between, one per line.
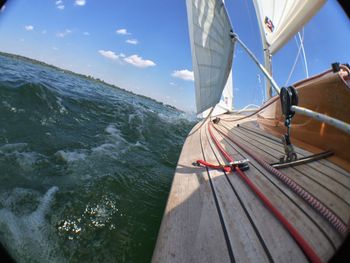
x=91, y=78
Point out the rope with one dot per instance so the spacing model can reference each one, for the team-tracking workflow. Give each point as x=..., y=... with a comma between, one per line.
x=225, y=168
x=307, y=249
x=255, y=112
x=322, y=209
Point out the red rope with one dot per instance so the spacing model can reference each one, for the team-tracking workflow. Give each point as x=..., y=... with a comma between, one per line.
x=316, y=204
x=309, y=252
x=227, y=169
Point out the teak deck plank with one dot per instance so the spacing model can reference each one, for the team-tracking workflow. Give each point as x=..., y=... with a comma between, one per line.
x=252, y=126
x=243, y=241
x=272, y=234
x=289, y=209
x=323, y=166
x=333, y=180
x=190, y=229
x=214, y=217
x=331, y=193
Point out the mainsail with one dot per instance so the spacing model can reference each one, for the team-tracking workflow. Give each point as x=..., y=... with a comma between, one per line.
x=212, y=50
x=279, y=20
x=226, y=101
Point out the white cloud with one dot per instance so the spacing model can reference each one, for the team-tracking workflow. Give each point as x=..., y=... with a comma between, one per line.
x=29, y=28
x=122, y=31
x=172, y=84
x=132, y=41
x=183, y=74
x=64, y=33
x=43, y=32
x=80, y=2
x=138, y=61
x=55, y=48
x=86, y=34
x=59, y=4
x=3, y=8
x=109, y=54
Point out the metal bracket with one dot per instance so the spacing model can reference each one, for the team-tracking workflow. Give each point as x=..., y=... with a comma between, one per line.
x=243, y=164
x=307, y=159
x=290, y=154
x=289, y=97
x=216, y=120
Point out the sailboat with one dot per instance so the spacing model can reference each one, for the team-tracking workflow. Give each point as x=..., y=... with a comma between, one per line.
x=269, y=186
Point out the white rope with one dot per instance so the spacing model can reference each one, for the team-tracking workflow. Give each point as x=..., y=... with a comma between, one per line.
x=249, y=107
x=323, y=118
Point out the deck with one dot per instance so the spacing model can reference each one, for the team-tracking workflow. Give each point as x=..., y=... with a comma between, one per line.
x=212, y=216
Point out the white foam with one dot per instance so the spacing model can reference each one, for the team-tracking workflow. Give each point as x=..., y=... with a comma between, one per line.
x=136, y=122
x=11, y=147
x=189, y=116
x=62, y=109
x=115, y=134
x=71, y=156
x=25, y=159
x=28, y=236
x=139, y=144
x=11, y=108
x=109, y=149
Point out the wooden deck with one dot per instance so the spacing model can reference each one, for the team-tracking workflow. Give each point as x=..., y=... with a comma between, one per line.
x=214, y=217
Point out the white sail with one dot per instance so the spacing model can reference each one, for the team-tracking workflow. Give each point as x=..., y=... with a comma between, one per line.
x=279, y=20
x=226, y=101
x=212, y=49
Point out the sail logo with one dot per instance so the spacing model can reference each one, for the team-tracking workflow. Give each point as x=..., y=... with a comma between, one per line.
x=269, y=24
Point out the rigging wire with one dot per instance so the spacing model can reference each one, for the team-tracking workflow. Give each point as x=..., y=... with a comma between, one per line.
x=296, y=58
x=301, y=49
x=304, y=55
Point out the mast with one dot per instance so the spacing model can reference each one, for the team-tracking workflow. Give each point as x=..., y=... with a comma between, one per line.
x=278, y=21
x=267, y=53
x=268, y=66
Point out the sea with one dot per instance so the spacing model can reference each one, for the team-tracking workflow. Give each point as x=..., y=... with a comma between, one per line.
x=85, y=167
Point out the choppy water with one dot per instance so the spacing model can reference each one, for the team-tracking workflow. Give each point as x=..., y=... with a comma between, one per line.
x=85, y=169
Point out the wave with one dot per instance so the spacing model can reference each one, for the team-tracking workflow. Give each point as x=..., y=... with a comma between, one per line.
x=107, y=150
x=27, y=235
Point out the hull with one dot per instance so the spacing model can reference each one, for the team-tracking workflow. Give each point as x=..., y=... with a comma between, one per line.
x=327, y=93
x=215, y=216
x=212, y=216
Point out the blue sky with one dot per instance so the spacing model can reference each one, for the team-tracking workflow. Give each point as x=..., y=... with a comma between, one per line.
x=143, y=46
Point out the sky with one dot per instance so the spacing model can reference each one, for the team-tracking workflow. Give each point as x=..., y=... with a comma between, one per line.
x=143, y=46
